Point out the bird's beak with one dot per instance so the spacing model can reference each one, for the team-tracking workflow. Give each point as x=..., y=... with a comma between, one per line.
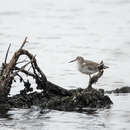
x=72, y=61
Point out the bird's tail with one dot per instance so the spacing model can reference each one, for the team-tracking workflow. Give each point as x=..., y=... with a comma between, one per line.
x=102, y=66
x=105, y=67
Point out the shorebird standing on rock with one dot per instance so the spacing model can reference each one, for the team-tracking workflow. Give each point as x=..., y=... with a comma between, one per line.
x=88, y=67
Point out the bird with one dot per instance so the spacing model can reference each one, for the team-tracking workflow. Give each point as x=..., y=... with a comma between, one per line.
x=88, y=67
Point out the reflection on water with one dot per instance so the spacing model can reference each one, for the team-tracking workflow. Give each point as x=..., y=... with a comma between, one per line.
x=4, y=112
x=58, y=31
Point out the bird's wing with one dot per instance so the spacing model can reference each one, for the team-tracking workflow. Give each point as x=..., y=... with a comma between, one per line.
x=90, y=64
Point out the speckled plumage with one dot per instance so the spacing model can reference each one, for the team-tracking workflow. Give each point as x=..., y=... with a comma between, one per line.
x=88, y=67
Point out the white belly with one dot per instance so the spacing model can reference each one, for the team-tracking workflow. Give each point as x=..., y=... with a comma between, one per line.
x=86, y=70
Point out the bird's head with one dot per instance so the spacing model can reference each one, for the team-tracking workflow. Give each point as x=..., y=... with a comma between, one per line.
x=79, y=59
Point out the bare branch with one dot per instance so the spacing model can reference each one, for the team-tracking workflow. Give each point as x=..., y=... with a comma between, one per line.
x=26, y=72
x=20, y=77
x=7, y=53
x=11, y=71
x=23, y=67
x=95, y=78
x=29, y=68
x=21, y=62
x=24, y=42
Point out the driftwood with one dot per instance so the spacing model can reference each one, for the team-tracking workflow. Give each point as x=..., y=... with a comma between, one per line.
x=95, y=78
x=51, y=96
x=9, y=71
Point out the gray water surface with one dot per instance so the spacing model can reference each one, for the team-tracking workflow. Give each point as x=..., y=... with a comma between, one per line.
x=58, y=31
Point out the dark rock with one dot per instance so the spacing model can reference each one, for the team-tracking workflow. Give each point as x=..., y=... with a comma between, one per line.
x=120, y=90
x=79, y=100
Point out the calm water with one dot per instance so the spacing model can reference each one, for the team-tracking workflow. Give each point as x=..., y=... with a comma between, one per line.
x=58, y=31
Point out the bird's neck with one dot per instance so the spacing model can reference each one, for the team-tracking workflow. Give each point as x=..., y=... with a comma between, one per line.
x=79, y=64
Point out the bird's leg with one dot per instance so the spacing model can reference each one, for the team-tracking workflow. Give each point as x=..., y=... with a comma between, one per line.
x=89, y=76
x=89, y=84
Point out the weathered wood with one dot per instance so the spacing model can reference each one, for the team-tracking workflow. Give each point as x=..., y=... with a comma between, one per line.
x=7, y=54
x=51, y=96
x=24, y=42
x=8, y=73
x=95, y=78
x=11, y=66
